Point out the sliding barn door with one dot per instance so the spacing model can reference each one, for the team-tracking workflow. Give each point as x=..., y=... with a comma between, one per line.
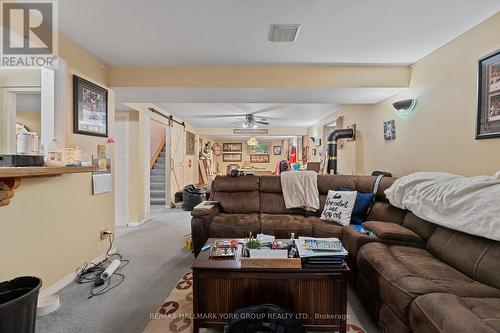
x=178, y=144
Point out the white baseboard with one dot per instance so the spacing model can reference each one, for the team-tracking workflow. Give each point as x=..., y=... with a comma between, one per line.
x=53, y=289
x=138, y=224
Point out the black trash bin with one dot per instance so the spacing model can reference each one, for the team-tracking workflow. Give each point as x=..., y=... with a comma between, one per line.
x=192, y=196
x=18, y=299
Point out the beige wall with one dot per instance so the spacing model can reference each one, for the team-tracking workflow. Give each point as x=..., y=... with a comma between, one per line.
x=439, y=134
x=52, y=224
x=261, y=76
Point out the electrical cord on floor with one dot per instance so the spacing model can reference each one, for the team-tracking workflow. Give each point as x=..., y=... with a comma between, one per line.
x=91, y=272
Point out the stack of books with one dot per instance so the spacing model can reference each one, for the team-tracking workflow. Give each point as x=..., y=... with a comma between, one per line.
x=321, y=252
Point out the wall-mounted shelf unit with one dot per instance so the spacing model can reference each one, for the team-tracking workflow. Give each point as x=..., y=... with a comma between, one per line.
x=10, y=178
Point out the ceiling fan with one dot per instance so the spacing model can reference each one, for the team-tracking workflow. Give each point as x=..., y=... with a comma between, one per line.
x=249, y=120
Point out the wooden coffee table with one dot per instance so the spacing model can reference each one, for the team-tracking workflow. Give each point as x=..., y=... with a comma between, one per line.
x=220, y=287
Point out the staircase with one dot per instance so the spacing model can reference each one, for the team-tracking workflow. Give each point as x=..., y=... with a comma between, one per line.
x=157, y=180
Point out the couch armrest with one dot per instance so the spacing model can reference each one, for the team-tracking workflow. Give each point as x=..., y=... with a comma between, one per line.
x=353, y=239
x=205, y=212
x=396, y=234
x=200, y=221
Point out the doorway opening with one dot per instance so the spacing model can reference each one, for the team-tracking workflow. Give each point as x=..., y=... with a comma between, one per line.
x=158, y=165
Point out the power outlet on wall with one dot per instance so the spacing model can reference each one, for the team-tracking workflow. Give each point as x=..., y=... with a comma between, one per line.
x=103, y=234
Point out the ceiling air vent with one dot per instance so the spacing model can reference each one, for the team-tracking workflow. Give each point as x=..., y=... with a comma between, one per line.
x=283, y=32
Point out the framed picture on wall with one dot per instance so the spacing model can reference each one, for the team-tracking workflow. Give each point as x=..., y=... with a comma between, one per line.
x=259, y=149
x=390, y=130
x=259, y=158
x=277, y=150
x=90, y=108
x=231, y=157
x=190, y=143
x=232, y=147
x=488, y=109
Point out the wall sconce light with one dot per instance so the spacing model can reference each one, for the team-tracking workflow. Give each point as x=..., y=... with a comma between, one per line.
x=405, y=107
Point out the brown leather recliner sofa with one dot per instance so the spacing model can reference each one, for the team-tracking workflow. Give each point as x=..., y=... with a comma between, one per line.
x=414, y=276
x=255, y=204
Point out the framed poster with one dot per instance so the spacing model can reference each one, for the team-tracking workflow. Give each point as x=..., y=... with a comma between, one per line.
x=259, y=158
x=90, y=108
x=259, y=149
x=234, y=157
x=277, y=150
x=488, y=106
x=389, y=130
x=190, y=143
x=232, y=147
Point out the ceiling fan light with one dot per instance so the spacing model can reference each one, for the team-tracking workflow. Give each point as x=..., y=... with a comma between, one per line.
x=252, y=141
x=245, y=125
x=254, y=126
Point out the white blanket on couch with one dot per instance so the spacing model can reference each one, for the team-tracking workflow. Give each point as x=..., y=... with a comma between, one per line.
x=300, y=189
x=470, y=205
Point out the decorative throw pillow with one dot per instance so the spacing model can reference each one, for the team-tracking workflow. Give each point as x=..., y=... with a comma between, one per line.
x=339, y=206
x=361, y=206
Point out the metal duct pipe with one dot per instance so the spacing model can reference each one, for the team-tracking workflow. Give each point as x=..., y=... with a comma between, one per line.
x=332, y=147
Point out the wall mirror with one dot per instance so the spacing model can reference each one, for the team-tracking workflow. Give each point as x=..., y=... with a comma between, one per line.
x=28, y=116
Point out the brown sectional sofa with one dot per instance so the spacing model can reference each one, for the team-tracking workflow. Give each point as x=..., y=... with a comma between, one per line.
x=413, y=276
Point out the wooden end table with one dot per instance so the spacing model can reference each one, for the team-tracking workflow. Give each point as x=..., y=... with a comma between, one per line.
x=220, y=287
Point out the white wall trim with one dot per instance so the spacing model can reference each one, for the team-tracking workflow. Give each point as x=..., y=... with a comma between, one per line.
x=47, y=84
x=60, y=102
x=54, y=288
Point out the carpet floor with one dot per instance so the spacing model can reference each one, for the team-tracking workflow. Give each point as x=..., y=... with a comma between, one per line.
x=158, y=260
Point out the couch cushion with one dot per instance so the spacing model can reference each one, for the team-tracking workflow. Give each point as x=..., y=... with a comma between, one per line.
x=271, y=197
x=419, y=226
x=399, y=274
x=446, y=313
x=274, y=203
x=282, y=225
x=234, y=225
x=237, y=195
x=330, y=182
x=393, y=232
x=477, y=257
x=236, y=184
x=382, y=211
x=324, y=229
x=238, y=202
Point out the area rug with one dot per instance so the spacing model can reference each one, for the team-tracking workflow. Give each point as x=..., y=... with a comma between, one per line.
x=176, y=312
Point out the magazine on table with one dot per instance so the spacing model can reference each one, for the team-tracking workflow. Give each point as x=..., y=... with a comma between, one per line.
x=321, y=243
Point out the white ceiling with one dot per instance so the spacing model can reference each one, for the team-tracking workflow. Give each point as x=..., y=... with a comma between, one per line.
x=231, y=115
x=185, y=32
x=297, y=107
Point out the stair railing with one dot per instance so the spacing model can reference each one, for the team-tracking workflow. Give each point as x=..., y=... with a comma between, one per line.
x=157, y=152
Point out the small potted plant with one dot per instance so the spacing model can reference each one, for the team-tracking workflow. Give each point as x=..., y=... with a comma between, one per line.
x=252, y=242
